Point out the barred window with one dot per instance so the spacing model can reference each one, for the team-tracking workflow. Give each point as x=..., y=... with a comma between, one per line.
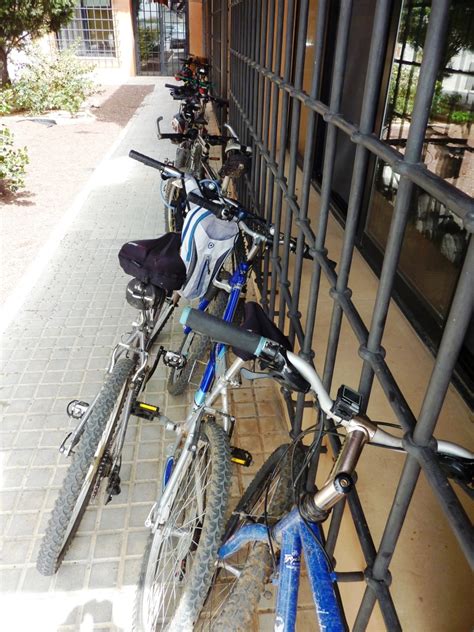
x=91, y=29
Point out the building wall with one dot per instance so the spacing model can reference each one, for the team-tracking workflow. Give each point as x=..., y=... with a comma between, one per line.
x=196, y=37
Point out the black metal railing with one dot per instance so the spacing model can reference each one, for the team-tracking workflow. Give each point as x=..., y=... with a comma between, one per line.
x=265, y=63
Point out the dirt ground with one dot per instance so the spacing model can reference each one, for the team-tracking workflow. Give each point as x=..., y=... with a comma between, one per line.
x=62, y=158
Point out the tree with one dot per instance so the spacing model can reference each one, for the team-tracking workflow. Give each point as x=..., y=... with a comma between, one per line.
x=414, y=25
x=21, y=20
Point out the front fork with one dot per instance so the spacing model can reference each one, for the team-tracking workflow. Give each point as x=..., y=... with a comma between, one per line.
x=174, y=469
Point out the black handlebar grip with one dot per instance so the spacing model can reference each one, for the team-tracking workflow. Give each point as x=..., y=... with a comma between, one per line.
x=214, y=207
x=221, y=331
x=214, y=139
x=146, y=160
x=173, y=86
x=176, y=137
x=220, y=102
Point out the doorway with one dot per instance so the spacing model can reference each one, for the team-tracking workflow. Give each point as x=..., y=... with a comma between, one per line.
x=161, y=36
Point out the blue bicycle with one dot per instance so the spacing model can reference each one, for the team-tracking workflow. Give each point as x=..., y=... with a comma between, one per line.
x=187, y=521
x=277, y=521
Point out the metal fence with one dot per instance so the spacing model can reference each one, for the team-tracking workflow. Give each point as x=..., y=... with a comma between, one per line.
x=261, y=68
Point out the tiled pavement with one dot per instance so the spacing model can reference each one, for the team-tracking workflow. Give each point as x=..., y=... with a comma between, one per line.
x=56, y=350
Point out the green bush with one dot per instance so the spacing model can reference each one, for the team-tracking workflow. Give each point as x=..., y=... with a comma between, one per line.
x=461, y=116
x=56, y=81
x=7, y=100
x=12, y=163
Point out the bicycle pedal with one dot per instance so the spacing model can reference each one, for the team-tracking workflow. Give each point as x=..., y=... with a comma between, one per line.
x=174, y=360
x=76, y=409
x=240, y=456
x=145, y=411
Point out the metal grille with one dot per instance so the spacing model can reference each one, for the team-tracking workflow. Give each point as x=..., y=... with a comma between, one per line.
x=161, y=36
x=267, y=66
x=92, y=31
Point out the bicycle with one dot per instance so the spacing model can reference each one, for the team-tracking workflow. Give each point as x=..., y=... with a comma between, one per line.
x=187, y=521
x=195, y=347
x=277, y=511
x=192, y=157
x=97, y=440
x=165, y=573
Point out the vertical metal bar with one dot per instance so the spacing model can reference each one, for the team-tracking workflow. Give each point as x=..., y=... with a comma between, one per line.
x=273, y=133
x=265, y=133
x=308, y=153
x=433, y=49
x=290, y=14
x=294, y=138
x=368, y=113
x=455, y=330
x=259, y=164
x=329, y=159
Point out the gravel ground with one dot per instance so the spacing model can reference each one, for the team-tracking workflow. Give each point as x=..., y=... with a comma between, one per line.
x=62, y=158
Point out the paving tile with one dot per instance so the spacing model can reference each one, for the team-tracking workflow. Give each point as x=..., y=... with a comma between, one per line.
x=34, y=582
x=23, y=524
x=15, y=551
x=108, y=545
x=9, y=579
x=103, y=575
x=8, y=500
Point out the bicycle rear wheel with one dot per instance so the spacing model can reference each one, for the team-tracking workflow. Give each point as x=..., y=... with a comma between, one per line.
x=179, y=559
x=238, y=585
x=86, y=469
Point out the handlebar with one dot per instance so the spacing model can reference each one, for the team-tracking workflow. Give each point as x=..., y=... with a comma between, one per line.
x=221, y=331
x=219, y=102
x=360, y=428
x=228, y=210
x=210, y=205
x=165, y=169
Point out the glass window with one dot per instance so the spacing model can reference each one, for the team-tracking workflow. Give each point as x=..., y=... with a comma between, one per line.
x=91, y=29
x=435, y=242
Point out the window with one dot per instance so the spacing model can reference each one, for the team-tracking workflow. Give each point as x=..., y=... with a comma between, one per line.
x=91, y=29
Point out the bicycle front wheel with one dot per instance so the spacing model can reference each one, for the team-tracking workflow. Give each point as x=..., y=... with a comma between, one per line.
x=83, y=475
x=179, y=559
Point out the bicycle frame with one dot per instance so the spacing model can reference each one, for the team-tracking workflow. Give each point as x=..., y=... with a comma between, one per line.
x=205, y=395
x=293, y=535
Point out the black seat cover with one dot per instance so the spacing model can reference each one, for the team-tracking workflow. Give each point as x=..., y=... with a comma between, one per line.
x=155, y=261
x=257, y=321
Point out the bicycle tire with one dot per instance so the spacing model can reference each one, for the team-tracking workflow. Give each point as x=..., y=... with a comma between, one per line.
x=171, y=193
x=81, y=476
x=184, y=590
x=195, y=348
x=232, y=601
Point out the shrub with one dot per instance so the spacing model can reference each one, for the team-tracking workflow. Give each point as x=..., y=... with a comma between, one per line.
x=56, y=81
x=7, y=99
x=12, y=163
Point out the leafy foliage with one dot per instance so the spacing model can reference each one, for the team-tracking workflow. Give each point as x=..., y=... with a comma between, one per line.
x=12, y=163
x=55, y=81
x=7, y=100
x=21, y=20
x=414, y=26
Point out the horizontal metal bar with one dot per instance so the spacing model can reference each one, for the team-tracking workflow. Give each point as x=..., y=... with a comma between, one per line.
x=455, y=199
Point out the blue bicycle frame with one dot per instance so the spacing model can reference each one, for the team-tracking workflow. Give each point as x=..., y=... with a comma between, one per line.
x=294, y=537
x=236, y=283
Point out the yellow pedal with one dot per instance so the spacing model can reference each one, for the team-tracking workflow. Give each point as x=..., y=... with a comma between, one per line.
x=145, y=411
x=240, y=456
